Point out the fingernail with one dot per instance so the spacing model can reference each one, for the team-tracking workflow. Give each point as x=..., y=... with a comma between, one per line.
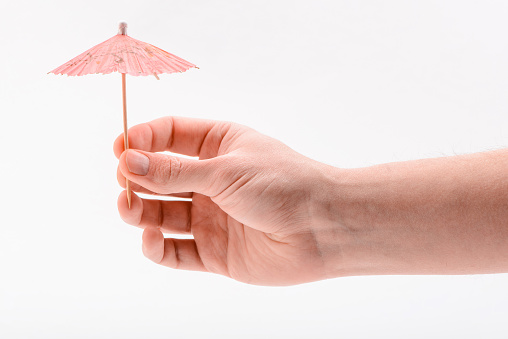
x=137, y=163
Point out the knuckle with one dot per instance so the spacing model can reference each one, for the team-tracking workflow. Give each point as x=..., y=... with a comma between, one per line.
x=167, y=170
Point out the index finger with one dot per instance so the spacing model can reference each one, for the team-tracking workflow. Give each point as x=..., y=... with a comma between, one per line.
x=176, y=134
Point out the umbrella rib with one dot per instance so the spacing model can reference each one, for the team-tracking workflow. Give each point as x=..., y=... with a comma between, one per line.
x=106, y=60
x=173, y=65
x=169, y=66
x=135, y=58
x=79, y=67
x=140, y=57
x=147, y=68
x=76, y=63
x=126, y=53
x=177, y=58
x=92, y=64
x=130, y=68
x=118, y=55
x=182, y=64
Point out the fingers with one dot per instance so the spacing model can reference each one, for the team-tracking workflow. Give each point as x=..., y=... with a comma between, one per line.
x=175, y=134
x=164, y=174
x=175, y=253
x=170, y=216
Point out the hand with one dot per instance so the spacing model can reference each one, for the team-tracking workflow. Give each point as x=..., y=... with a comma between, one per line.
x=258, y=212
x=264, y=214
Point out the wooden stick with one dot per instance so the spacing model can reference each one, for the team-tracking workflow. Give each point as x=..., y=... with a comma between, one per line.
x=125, y=137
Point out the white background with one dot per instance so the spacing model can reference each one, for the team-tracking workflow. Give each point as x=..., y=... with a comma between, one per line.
x=349, y=83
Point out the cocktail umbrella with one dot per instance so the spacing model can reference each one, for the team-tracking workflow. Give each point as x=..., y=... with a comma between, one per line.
x=124, y=55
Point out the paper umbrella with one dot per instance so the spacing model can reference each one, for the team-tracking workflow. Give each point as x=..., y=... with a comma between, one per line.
x=124, y=55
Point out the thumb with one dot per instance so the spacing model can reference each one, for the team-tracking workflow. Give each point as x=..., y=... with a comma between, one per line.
x=165, y=174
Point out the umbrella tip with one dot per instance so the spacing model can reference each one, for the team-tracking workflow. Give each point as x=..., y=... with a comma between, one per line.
x=122, y=28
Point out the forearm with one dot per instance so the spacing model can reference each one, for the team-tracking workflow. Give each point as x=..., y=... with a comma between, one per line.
x=434, y=216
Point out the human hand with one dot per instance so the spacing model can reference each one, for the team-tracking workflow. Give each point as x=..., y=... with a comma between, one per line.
x=259, y=211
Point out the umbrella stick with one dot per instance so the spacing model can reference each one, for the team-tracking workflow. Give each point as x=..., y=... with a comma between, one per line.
x=125, y=137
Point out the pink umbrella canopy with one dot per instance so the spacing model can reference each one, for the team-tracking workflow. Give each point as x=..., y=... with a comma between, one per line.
x=126, y=55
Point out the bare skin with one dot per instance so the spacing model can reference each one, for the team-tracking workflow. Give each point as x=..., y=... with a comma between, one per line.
x=263, y=214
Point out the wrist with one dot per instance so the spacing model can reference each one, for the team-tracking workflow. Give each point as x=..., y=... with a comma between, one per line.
x=353, y=236
x=337, y=233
